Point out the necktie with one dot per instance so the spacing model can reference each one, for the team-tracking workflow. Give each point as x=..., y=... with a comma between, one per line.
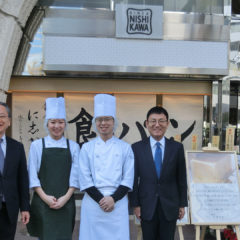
x=1, y=156
x=158, y=159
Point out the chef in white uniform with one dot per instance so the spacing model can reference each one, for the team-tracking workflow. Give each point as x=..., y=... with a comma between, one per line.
x=106, y=172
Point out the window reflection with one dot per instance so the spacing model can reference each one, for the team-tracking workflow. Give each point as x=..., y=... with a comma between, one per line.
x=198, y=6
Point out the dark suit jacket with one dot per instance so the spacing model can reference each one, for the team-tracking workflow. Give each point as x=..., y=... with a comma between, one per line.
x=171, y=188
x=15, y=184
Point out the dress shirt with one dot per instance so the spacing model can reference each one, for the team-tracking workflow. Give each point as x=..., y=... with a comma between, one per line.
x=153, y=145
x=35, y=158
x=4, y=145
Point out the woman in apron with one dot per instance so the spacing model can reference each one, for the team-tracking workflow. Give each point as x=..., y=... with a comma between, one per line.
x=51, y=160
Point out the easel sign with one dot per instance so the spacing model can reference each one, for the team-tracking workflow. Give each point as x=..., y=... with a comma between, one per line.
x=182, y=222
x=213, y=188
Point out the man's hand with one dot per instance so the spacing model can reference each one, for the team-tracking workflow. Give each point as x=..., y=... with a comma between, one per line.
x=181, y=213
x=107, y=204
x=137, y=212
x=25, y=216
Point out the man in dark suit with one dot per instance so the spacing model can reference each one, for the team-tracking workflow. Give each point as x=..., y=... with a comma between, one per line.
x=14, y=186
x=160, y=187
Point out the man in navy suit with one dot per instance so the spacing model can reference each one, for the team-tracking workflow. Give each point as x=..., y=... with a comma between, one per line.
x=14, y=187
x=160, y=187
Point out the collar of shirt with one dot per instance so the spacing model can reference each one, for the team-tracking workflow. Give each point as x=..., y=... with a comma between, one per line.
x=50, y=142
x=153, y=142
x=109, y=141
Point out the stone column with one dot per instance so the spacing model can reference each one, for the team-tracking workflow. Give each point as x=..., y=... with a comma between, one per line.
x=13, y=17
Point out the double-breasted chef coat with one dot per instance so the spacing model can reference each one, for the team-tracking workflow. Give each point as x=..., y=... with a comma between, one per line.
x=105, y=165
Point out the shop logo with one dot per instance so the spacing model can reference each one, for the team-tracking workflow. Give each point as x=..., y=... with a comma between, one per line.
x=139, y=21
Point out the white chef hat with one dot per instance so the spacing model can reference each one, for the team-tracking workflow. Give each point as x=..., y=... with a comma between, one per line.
x=55, y=108
x=104, y=105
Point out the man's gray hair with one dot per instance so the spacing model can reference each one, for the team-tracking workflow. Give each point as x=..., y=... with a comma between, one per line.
x=7, y=108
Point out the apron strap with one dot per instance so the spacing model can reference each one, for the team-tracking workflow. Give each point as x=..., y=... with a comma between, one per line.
x=68, y=146
x=69, y=152
x=43, y=143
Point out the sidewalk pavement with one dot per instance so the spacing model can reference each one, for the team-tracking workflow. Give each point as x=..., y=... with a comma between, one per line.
x=188, y=232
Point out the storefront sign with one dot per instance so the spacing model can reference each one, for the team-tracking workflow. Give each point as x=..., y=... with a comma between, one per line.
x=213, y=188
x=139, y=21
x=230, y=135
x=215, y=141
x=194, y=142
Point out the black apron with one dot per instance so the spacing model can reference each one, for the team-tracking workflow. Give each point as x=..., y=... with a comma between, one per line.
x=54, y=173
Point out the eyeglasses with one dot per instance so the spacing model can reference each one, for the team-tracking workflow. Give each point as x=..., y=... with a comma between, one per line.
x=105, y=119
x=159, y=121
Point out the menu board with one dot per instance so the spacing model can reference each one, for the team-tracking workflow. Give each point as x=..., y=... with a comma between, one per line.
x=213, y=183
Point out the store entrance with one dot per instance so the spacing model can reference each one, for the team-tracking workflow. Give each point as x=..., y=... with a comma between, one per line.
x=234, y=109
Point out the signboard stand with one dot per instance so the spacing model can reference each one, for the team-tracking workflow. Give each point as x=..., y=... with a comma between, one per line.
x=211, y=190
x=217, y=228
x=237, y=231
x=183, y=222
x=198, y=235
x=180, y=232
x=209, y=148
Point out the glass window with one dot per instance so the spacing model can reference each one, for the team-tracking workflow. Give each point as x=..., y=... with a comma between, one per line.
x=234, y=111
x=235, y=7
x=105, y=4
x=199, y=6
x=142, y=2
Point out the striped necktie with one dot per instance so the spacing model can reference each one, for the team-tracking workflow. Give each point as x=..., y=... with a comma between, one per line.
x=1, y=156
x=158, y=159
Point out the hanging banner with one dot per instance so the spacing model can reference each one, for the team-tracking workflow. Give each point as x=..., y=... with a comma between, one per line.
x=131, y=114
x=28, y=114
x=230, y=135
x=185, y=114
x=215, y=141
x=194, y=142
x=79, y=108
x=186, y=120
